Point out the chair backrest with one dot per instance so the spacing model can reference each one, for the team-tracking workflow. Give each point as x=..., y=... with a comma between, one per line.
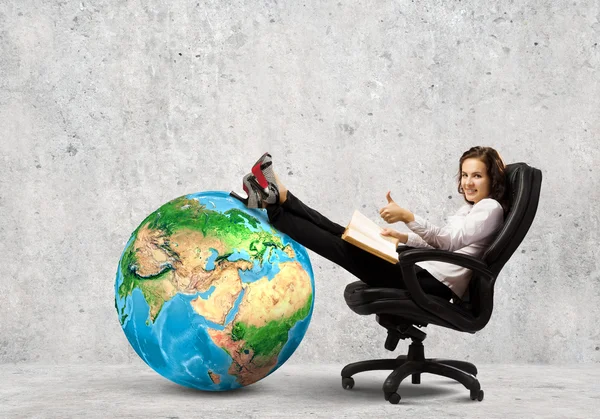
x=523, y=184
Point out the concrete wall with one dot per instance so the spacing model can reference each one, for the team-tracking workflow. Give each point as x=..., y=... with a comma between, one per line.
x=110, y=109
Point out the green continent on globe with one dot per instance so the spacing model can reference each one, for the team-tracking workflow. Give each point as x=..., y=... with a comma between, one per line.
x=171, y=247
x=169, y=253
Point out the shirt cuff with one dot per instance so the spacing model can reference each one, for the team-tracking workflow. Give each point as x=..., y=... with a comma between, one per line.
x=418, y=222
x=413, y=240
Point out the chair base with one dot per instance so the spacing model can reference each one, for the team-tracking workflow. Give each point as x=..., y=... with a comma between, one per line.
x=415, y=364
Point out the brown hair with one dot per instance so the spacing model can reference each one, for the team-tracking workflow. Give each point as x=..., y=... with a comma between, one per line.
x=495, y=170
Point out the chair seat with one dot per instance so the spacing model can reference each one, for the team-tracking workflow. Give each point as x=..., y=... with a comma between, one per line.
x=364, y=299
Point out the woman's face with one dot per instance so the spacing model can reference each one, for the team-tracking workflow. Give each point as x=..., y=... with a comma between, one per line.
x=475, y=181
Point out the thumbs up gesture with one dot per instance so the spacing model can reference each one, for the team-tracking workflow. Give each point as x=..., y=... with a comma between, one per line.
x=393, y=213
x=388, y=196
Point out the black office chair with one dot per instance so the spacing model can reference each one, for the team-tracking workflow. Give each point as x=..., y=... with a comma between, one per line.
x=402, y=311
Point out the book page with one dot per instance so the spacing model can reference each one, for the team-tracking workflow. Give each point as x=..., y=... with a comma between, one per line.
x=362, y=223
x=383, y=246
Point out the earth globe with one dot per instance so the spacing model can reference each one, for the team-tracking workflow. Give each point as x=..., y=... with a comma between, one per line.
x=210, y=295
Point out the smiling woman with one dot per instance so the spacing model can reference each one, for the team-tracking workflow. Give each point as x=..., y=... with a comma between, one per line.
x=469, y=231
x=481, y=175
x=474, y=180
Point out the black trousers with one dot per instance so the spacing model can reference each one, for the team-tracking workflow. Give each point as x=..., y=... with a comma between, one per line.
x=321, y=235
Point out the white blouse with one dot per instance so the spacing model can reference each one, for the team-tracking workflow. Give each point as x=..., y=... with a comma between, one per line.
x=470, y=231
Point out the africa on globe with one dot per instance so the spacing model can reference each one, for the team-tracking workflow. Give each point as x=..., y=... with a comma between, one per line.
x=210, y=295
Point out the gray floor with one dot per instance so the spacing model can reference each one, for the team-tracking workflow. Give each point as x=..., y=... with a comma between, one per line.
x=294, y=391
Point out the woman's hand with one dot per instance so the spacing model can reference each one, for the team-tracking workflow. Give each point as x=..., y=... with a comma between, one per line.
x=402, y=237
x=392, y=212
x=390, y=232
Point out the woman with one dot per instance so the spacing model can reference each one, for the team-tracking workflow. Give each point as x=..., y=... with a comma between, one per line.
x=469, y=231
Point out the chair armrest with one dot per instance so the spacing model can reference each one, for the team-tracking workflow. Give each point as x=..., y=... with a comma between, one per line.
x=409, y=257
x=403, y=248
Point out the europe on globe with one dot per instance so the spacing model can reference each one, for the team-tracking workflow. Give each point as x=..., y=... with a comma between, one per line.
x=210, y=295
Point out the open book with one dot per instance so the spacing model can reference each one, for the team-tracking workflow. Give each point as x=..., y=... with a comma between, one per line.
x=365, y=234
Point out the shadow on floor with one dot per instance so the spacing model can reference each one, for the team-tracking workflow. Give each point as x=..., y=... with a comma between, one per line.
x=367, y=389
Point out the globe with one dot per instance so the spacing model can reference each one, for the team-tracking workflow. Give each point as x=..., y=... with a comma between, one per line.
x=210, y=295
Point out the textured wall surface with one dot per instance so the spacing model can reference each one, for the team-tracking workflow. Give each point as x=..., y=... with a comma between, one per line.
x=108, y=109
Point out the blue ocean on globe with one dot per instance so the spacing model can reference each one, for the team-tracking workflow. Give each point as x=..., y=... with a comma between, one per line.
x=210, y=295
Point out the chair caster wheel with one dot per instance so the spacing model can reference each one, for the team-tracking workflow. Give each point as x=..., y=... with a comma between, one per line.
x=347, y=382
x=477, y=394
x=393, y=398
